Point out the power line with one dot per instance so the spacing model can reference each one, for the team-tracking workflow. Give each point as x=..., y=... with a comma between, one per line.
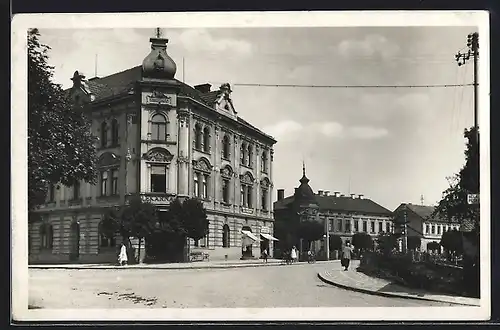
x=350, y=86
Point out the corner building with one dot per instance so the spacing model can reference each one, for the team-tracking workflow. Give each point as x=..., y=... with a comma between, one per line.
x=161, y=139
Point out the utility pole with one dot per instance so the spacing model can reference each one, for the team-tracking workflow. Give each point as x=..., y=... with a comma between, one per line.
x=462, y=59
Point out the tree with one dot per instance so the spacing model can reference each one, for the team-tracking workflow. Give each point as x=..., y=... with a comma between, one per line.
x=195, y=221
x=335, y=243
x=61, y=147
x=137, y=219
x=451, y=241
x=453, y=205
x=386, y=242
x=310, y=231
x=414, y=242
x=362, y=241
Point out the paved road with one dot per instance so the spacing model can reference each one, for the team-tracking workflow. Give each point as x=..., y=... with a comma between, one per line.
x=259, y=287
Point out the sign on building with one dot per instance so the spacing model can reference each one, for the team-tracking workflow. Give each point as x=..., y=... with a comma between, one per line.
x=472, y=199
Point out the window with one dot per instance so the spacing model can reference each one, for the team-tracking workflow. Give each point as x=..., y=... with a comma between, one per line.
x=104, y=183
x=242, y=195
x=226, y=235
x=206, y=139
x=263, y=162
x=205, y=186
x=196, y=186
x=249, y=158
x=439, y=230
x=46, y=236
x=114, y=182
x=159, y=128
x=380, y=227
x=114, y=132
x=243, y=154
x=372, y=227
x=249, y=197
x=104, y=240
x=365, y=226
x=388, y=227
x=52, y=194
x=226, y=145
x=433, y=229
x=76, y=190
x=246, y=195
x=198, y=136
x=356, y=225
x=339, y=225
x=330, y=225
x=104, y=134
x=427, y=229
x=348, y=226
x=264, y=199
x=158, y=178
x=225, y=190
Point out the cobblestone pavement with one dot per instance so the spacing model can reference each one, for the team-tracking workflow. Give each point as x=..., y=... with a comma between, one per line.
x=354, y=280
x=259, y=287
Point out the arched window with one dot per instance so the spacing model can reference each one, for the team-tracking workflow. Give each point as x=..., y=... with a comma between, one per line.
x=104, y=134
x=249, y=159
x=243, y=153
x=226, y=236
x=114, y=132
x=196, y=185
x=264, y=196
x=159, y=128
x=263, y=162
x=198, y=137
x=246, y=192
x=46, y=236
x=206, y=139
x=104, y=240
x=226, y=145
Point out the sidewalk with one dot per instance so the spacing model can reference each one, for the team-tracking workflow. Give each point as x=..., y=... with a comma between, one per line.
x=356, y=281
x=187, y=265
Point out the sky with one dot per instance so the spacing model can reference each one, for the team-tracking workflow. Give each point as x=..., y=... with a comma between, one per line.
x=393, y=145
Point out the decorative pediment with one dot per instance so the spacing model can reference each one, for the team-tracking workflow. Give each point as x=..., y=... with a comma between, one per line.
x=247, y=178
x=265, y=182
x=226, y=172
x=202, y=165
x=158, y=155
x=109, y=159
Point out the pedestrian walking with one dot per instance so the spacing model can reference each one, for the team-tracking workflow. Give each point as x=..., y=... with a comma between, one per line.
x=122, y=257
x=310, y=256
x=264, y=255
x=293, y=254
x=346, y=256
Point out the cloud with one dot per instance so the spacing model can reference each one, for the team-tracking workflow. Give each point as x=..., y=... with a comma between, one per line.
x=367, y=132
x=202, y=40
x=283, y=129
x=287, y=130
x=371, y=45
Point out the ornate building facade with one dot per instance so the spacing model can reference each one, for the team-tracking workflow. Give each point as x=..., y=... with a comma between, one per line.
x=161, y=139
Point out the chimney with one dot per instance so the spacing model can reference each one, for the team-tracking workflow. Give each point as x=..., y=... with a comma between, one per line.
x=320, y=192
x=326, y=192
x=353, y=196
x=336, y=193
x=361, y=196
x=281, y=194
x=203, y=88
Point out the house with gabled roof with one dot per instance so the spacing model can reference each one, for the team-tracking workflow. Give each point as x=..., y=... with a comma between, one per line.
x=421, y=222
x=160, y=139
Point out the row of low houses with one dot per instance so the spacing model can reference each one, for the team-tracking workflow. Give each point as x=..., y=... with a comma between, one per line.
x=160, y=139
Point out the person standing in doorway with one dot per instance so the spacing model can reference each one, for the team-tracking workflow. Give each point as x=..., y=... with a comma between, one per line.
x=346, y=256
x=264, y=255
x=293, y=254
x=122, y=257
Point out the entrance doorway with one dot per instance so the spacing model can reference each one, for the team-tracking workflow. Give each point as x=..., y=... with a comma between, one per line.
x=226, y=238
x=75, y=241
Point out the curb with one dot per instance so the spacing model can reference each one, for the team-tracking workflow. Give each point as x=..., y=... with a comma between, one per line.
x=387, y=294
x=275, y=264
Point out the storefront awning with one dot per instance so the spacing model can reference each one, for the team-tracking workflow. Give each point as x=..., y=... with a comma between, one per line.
x=269, y=237
x=250, y=235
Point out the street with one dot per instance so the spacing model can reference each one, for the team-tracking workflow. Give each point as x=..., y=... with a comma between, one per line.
x=257, y=287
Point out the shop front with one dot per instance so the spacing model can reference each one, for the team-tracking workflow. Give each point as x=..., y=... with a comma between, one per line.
x=266, y=242
x=248, y=239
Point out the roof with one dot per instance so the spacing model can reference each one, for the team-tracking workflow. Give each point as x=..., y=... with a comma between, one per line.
x=340, y=204
x=425, y=212
x=124, y=81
